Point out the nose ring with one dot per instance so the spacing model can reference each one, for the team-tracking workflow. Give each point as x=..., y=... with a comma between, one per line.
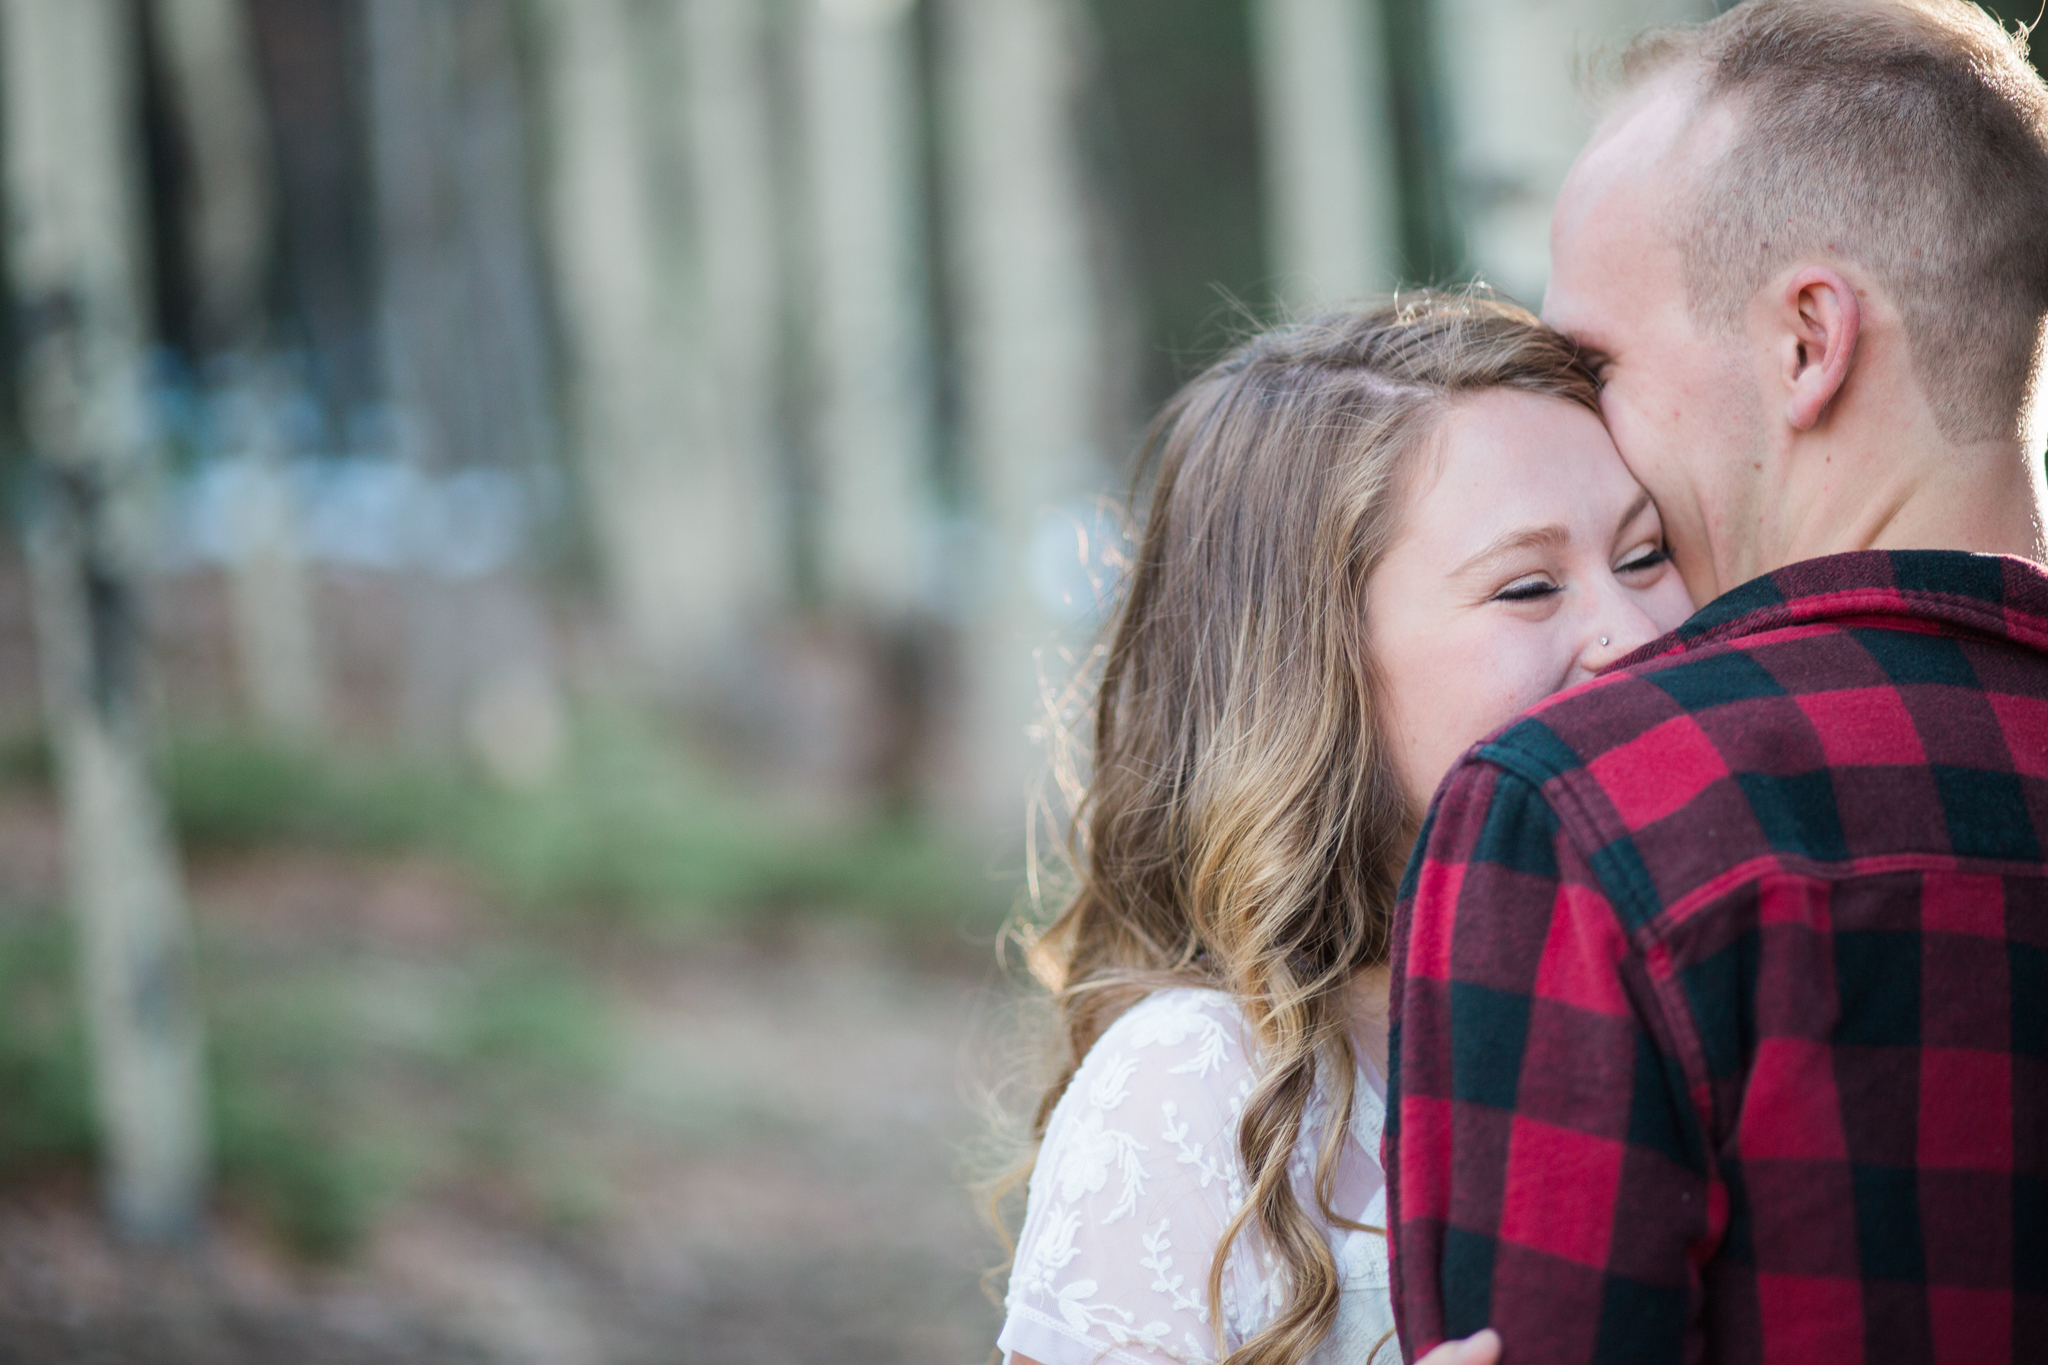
x=1603, y=639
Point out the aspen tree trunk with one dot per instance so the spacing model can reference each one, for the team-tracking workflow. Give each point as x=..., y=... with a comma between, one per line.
x=276, y=642
x=1033, y=360
x=1517, y=119
x=209, y=58
x=465, y=359
x=1332, y=201
x=461, y=313
x=419, y=316
x=875, y=427
x=637, y=410
x=209, y=55
x=419, y=290
x=77, y=272
x=729, y=140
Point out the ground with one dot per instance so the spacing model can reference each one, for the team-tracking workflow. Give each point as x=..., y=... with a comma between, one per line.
x=783, y=1142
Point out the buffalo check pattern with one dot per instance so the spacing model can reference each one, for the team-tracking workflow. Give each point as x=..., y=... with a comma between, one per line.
x=1721, y=991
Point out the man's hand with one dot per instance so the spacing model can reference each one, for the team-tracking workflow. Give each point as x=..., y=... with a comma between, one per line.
x=1481, y=1348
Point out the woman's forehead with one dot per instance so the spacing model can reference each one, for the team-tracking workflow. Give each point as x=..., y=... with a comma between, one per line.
x=1507, y=459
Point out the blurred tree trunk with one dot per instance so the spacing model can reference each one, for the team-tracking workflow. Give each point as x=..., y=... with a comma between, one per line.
x=463, y=321
x=420, y=320
x=72, y=178
x=462, y=329
x=730, y=151
x=276, y=636
x=1333, y=219
x=637, y=384
x=310, y=59
x=210, y=62
x=1516, y=117
x=231, y=215
x=870, y=337
x=1034, y=370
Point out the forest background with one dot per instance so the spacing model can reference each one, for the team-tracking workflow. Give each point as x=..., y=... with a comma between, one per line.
x=547, y=544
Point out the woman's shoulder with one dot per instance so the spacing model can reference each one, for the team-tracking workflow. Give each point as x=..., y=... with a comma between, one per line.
x=1182, y=1044
x=1168, y=1079
x=1210, y=1022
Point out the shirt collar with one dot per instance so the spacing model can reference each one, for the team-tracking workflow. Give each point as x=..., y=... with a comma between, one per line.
x=1995, y=595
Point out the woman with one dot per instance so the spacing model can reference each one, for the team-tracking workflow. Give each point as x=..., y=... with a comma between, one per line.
x=1374, y=538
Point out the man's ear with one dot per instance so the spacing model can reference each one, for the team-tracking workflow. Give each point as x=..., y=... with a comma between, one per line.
x=1822, y=317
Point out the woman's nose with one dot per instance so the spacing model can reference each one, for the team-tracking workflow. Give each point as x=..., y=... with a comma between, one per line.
x=1620, y=628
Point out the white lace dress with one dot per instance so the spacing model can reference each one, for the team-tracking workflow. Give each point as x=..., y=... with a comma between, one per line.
x=1138, y=1177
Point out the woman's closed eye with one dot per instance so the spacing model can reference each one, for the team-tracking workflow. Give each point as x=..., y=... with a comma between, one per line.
x=1526, y=590
x=1644, y=559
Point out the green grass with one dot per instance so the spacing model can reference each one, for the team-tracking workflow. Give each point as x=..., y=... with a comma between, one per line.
x=25, y=759
x=629, y=829
x=336, y=1090
x=238, y=791
x=45, y=1113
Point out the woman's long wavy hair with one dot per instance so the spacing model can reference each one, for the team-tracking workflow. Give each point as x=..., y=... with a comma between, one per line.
x=1243, y=828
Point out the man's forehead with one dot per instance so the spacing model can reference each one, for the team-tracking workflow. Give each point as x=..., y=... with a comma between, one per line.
x=1634, y=148
x=1612, y=219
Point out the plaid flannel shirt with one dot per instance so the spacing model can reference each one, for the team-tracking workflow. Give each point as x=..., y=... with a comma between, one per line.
x=1721, y=991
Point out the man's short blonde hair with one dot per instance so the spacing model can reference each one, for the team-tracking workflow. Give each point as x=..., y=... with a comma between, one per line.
x=1908, y=136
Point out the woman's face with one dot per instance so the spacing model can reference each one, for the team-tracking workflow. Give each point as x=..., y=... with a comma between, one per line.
x=1528, y=560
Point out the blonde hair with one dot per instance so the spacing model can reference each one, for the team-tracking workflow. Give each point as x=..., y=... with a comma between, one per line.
x=1910, y=136
x=1244, y=829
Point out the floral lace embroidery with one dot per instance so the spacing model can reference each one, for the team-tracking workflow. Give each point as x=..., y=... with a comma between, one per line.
x=1122, y=1221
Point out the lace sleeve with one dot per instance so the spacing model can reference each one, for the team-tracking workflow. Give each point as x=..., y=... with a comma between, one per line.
x=1133, y=1186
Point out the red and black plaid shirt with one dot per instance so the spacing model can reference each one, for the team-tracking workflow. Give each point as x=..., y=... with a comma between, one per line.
x=1721, y=991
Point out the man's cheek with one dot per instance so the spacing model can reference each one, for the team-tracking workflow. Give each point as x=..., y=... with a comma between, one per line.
x=1638, y=446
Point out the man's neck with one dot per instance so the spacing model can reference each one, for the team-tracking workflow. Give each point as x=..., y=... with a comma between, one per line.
x=1986, y=499
x=1995, y=504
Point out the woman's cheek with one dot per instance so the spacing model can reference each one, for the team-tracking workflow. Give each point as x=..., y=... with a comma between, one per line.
x=1674, y=604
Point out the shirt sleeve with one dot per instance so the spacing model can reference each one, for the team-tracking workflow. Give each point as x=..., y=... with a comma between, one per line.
x=1546, y=1170
x=1133, y=1186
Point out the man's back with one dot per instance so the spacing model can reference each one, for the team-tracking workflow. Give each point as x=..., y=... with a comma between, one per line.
x=1722, y=990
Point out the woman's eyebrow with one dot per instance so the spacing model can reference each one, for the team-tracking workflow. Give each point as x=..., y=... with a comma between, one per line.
x=1528, y=538
x=1635, y=509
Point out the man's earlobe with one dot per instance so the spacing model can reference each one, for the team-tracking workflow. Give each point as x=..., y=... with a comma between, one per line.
x=1824, y=317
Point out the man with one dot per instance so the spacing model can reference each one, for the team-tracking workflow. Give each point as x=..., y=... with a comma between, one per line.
x=1721, y=983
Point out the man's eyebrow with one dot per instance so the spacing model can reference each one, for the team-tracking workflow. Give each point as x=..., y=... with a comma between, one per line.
x=1528, y=538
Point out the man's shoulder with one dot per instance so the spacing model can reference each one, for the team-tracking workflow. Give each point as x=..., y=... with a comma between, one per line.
x=1841, y=744
x=1814, y=686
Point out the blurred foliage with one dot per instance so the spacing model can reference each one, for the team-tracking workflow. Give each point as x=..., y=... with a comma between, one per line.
x=45, y=1114
x=287, y=1134
x=628, y=827
x=345, y=1075
x=234, y=790
x=342, y=1084
x=337, y=1085
x=25, y=759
